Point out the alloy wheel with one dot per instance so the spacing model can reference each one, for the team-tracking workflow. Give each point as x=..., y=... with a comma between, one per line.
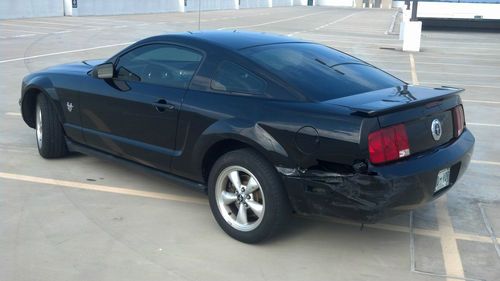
x=240, y=198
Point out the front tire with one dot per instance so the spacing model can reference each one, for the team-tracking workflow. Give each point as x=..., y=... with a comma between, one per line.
x=247, y=197
x=49, y=132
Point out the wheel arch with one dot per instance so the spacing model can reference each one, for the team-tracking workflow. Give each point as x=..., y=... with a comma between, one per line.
x=254, y=137
x=216, y=150
x=38, y=85
x=28, y=105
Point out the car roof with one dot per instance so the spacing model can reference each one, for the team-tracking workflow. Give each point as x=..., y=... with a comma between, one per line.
x=230, y=39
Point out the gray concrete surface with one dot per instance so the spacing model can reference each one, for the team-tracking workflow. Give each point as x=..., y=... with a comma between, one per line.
x=81, y=218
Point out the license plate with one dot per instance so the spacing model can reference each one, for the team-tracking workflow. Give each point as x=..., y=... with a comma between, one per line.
x=443, y=179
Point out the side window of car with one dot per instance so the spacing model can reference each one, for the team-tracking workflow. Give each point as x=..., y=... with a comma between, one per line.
x=160, y=64
x=231, y=77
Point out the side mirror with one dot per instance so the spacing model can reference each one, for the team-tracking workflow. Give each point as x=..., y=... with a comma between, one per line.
x=103, y=71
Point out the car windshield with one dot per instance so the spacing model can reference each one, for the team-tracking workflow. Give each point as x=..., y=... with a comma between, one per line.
x=319, y=72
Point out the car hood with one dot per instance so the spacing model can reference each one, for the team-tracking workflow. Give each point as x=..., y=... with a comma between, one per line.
x=78, y=67
x=94, y=62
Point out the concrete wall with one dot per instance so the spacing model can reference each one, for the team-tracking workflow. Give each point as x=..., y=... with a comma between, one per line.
x=300, y=2
x=192, y=5
x=11, y=9
x=44, y=8
x=255, y=3
x=338, y=3
x=117, y=7
x=278, y=3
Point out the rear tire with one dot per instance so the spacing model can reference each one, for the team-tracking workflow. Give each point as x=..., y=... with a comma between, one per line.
x=49, y=131
x=260, y=195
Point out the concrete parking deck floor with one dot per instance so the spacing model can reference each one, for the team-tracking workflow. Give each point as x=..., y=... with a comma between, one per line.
x=81, y=218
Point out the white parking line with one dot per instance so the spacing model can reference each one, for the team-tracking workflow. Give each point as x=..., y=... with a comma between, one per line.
x=354, y=48
x=448, y=73
x=65, y=52
x=104, y=188
x=202, y=201
x=392, y=55
x=483, y=124
x=449, y=247
x=391, y=61
x=324, y=25
x=64, y=31
x=22, y=30
x=111, y=21
x=24, y=35
x=414, y=77
x=447, y=83
x=486, y=162
x=482, y=101
x=13, y=114
x=271, y=22
x=336, y=36
x=31, y=26
x=46, y=22
x=371, y=44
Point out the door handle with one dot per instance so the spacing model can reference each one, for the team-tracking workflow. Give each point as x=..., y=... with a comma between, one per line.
x=162, y=104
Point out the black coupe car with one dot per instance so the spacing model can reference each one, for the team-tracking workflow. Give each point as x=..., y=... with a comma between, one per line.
x=266, y=124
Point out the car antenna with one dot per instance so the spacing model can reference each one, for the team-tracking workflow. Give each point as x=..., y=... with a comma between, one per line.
x=199, y=15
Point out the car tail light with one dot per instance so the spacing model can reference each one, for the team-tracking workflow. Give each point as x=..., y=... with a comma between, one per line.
x=458, y=120
x=388, y=144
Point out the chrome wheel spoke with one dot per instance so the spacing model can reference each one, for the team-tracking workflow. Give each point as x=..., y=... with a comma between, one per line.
x=237, y=192
x=256, y=207
x=234, y=177
x=252, y=186
x=39, y=129
x=228, y=197
x=242, y=215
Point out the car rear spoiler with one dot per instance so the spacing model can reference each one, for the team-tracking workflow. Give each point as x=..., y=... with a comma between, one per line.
x=389, y=100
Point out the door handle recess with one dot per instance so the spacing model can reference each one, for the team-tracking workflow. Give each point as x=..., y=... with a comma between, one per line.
x=162, y=104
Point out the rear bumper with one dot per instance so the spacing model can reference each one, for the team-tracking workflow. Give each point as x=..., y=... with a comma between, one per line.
x=384, y=190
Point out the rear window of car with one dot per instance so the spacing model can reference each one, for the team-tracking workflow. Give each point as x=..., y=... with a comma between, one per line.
x=319, y=72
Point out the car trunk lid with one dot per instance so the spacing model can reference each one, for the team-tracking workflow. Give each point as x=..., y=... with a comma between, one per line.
x=414, y=106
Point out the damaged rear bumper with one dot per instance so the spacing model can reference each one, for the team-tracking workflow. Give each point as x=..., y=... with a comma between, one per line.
x=383, y=190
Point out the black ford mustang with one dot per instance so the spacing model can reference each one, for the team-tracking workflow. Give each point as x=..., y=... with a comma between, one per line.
x=266, y=124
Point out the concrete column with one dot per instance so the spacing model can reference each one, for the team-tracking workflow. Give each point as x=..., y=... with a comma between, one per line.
x=411, y=36
x=405, y=18
x=386, y=4
x=68, y=9
x=180, y=3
